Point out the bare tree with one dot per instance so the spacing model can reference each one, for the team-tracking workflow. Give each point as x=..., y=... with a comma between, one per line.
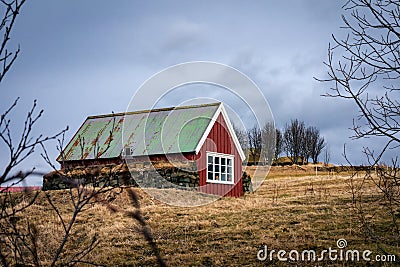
x=82, y=196
x=18, y=242
x=24, y=147
x=17, y=247
x=242, y=137
x=11, y=10
x=268, y=143
x=294, y=139
x=369, y=69
x=279, y=143
x=327, y=156
x=367, y=73
x=306, y=145
x=255, y=143
x=316, y=143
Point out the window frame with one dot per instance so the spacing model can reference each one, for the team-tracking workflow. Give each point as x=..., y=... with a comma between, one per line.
x=220, y=156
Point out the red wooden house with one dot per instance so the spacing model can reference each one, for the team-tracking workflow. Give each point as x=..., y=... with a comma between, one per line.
x=200, y=133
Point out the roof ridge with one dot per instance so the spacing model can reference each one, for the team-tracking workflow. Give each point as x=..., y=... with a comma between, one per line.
x=152, y=110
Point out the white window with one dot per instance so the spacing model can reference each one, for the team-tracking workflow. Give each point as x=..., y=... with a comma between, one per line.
x=220, y=168
x=127, y=151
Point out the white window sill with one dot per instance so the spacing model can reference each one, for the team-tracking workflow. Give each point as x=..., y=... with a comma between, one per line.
x=220, y=182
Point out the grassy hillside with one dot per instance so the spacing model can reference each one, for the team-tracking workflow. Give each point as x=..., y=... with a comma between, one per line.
x=293, y=209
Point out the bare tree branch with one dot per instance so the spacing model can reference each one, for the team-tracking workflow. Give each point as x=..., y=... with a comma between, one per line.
x=7, y=59
x=367, y=73
x=26, y=145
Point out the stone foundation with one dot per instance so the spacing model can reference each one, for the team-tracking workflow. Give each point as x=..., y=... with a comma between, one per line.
x=156, y=175
x=146, y=174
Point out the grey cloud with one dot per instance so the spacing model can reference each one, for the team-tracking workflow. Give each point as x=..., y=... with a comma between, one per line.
x=82, y=58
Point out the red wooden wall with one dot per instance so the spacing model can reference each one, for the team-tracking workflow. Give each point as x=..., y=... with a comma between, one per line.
x=219, y=140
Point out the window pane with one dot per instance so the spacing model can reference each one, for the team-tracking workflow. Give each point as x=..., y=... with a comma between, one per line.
x=210, y=159
x=210, y=167
x=223, y=177
x=229, y=178
x=229, y=170
x=223, y=169
x=229, y=162
x=210, y=176
x=223, y=160
x=216, y=168
x=216, y=177
x=216, y=160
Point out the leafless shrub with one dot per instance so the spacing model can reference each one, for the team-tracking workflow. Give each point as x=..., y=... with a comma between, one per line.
x=367, y=74
x=19, y=237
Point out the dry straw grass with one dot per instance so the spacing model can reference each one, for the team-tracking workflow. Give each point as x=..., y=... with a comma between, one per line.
x=290, y=210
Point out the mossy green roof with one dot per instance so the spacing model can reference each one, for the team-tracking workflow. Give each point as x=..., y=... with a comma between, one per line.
x=148, y=132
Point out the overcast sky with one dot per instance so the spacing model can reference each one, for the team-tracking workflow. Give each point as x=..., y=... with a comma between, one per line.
x=82, y=58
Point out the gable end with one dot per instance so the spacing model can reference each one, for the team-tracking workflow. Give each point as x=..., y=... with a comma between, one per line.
x=221, y=110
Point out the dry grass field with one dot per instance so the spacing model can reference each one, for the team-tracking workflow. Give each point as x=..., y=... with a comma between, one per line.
x=293, y=209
